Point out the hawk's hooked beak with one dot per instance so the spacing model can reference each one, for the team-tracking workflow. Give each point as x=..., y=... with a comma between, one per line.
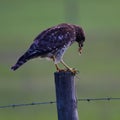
x=80, y=48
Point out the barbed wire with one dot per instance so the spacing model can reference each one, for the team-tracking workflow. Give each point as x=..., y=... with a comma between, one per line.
x=26, y=104
x=98, y=99
x=53, y=102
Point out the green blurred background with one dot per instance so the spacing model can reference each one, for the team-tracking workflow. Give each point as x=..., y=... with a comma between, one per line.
x=99, y=65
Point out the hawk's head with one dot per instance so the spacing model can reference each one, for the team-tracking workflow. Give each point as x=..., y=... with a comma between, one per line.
x=80, y=37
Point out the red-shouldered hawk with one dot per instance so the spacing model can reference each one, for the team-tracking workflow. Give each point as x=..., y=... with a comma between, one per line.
x=52, y=43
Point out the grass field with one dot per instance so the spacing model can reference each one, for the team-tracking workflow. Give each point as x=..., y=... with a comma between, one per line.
x=99, y=64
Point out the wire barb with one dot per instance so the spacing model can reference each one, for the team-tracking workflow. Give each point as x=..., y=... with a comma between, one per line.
x=53, y=102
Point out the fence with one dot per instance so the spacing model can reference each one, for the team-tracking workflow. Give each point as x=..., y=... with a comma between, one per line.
x=66, y=100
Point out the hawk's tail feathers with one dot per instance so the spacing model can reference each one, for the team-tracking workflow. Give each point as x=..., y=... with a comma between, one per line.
x=23, y=59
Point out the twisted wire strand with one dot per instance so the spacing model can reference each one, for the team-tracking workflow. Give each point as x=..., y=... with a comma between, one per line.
x=53, y=102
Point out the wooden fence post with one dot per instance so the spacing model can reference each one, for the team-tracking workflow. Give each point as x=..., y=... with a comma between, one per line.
x=66, y=96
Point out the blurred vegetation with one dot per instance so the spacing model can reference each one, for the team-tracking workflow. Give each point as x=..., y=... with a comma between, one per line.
x=99, y=65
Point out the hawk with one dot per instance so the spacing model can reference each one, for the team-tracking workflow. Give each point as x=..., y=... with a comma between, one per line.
x=52, y=43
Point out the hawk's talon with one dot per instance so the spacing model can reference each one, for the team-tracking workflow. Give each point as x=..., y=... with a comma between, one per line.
x=73, y=70
x=61, y=70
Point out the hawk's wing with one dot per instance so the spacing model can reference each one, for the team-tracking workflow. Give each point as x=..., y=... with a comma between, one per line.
x=54, y=38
